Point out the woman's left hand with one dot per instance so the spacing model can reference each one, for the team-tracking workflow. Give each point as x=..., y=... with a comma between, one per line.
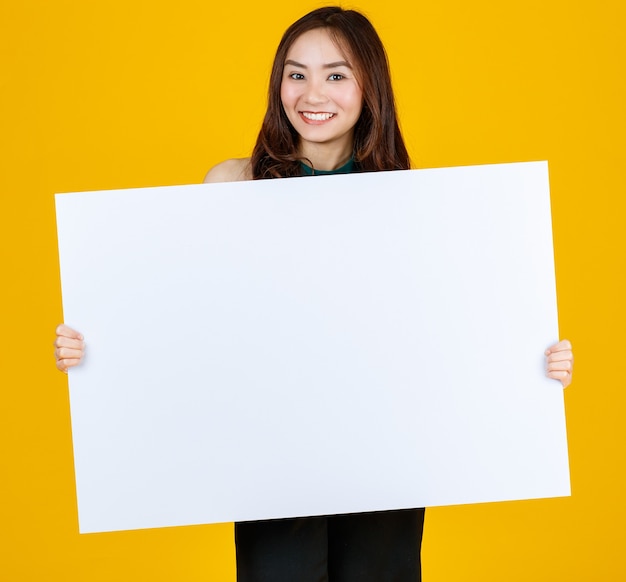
x=560, y=362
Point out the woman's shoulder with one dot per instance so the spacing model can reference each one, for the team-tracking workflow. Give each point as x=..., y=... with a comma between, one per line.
x=235, y=170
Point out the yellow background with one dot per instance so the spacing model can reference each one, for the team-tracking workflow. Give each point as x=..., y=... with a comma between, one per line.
x=101, y=94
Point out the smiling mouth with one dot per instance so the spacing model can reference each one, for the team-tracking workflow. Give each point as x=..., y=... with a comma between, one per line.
x=316, y=116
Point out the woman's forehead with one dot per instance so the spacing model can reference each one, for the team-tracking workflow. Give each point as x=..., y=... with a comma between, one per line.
x=317, y=47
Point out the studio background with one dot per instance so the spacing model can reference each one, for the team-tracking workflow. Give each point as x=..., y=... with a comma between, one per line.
x=99, y=95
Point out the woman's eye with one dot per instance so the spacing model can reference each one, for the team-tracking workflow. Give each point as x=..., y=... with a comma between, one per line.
x=296, y=76
x=336, y=77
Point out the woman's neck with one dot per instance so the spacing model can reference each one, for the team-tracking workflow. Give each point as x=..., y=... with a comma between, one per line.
x=326, y=156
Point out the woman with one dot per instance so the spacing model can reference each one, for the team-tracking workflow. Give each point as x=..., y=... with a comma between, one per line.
x=331, y=110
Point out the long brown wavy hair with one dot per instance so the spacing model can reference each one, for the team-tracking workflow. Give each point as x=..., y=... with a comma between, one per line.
x=378, y=143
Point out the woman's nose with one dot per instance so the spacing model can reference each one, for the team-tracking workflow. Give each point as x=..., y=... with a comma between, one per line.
x=315, y=93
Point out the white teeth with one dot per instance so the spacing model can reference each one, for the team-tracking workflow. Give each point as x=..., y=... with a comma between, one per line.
x=317, y=116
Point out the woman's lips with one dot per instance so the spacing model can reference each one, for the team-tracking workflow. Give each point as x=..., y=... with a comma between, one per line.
x=316, y=118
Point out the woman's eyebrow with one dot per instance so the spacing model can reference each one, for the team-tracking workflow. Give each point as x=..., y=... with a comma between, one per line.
x=295, y=64
x=326, y=66
x=338, y=64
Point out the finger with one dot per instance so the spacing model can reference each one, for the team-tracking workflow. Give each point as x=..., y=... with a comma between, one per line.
x=67, y=331
x=65, y=364
x=564, y=377
x=64, y=353
x=558, y=347
x=560, y=356
x=66, y=342
x=565, y=365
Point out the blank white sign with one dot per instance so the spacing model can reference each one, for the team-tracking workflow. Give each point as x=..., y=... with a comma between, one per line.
x=311, y=346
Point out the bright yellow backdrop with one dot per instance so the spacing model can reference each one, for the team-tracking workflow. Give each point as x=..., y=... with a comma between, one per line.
x=124, y=93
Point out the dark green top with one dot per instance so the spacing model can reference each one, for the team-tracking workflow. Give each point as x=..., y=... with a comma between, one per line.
x=347, y=168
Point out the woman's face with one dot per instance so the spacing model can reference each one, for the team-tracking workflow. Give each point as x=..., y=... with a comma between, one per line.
x=319, y=91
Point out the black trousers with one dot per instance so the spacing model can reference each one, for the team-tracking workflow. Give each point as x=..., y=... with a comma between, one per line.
x=361, y=547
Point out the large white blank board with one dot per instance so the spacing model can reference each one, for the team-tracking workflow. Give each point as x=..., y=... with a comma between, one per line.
x=312, y=346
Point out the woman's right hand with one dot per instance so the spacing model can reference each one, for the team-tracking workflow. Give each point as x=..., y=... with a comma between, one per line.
x=69, y=347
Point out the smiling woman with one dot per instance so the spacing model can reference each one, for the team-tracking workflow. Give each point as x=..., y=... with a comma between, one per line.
x=330, y=110
x=345, y=65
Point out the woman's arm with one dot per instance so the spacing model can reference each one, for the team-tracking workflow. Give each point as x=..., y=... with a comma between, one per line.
x=235, y=170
